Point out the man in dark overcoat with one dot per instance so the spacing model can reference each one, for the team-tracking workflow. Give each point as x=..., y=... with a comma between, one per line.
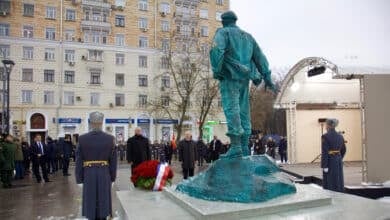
x=283, y=150
x=39, y=153
x=188, y=154
x=333, y=151
x=202, y=151
x=66, y=154
x=138, y=149
x=215, y=148
x=96, y=164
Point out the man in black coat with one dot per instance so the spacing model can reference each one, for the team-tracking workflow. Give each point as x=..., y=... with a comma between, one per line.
x=283, y=150
x=39, y=153
x=96, y=164
x=188, y=154
x=215, y=147
x=51, y=155
x=26, y=156
x=202, y=151
x=66, y=154
x=138, y=149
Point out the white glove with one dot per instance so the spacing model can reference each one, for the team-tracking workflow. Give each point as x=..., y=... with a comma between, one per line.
x=80, y=185
x=326, y=170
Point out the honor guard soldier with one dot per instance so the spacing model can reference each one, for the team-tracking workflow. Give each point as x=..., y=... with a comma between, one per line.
x=333, y=151
x=96, y=165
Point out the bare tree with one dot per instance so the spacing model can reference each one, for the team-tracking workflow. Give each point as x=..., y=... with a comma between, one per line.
x=205, y=102
x=264, y=117
x=187, y=68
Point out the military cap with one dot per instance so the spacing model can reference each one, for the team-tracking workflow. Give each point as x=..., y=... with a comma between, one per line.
x=96, y=117
x=332, y=122
x=229, y=15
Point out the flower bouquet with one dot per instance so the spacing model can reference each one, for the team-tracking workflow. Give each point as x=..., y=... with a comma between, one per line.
x=152, y=175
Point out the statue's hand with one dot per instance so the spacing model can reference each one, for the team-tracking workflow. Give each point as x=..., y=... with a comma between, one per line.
x=257, y=82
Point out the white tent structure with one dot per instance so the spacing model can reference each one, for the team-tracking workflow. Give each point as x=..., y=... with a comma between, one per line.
x=335, y=93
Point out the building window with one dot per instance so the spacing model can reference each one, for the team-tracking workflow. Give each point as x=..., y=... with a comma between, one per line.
x=95, y=77
x=119, y=20
x=48, y=97
x=28, y=53
x=142, y=101
x=95, y=37
x=142, y=80
x=165, y=45
x=48, y=75
x=69, y=55
x=143, y=61
x=165, y=101
x=70, y=15
x=26, y=96
x=165, y=7
x=28, y=10
x=204, y=13
x=219, y=2
x=204, y=49
x=119, y=59
x=69, y=35
x=143, y=42
x=143, y=23
x=4, y=30
x=164, y=62
x=50, y=54
x=5, y=51
x=218, y=16
x=27, y=75
x=50, y=12
x=119, y=99
x=69, y=77
x=120, y=79
x=204, y=31
x=68, y=98
x=5, y=6
x=28, y=31
x=165, y=82
x=95, y=99
x=143, y=5
x=165, y=26
x=120, y=39
x=95, y=55
x=121, y=3
x=50, y=33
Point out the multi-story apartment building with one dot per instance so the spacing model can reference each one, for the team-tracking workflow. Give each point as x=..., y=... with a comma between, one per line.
x=77, y=56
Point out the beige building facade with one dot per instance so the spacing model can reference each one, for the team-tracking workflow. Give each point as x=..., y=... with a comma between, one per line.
x=77, y=56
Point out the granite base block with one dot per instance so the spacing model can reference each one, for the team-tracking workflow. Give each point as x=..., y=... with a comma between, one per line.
x=305, y=197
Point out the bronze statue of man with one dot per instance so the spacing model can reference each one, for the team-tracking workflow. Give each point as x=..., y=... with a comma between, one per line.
x=236, y=59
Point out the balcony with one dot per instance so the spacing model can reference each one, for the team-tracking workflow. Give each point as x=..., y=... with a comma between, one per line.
x=187, y=3
x=97, y=4
x=95, y=25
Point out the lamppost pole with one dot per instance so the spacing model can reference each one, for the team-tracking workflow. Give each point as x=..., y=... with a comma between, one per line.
x=8, y=65
x=3, y=78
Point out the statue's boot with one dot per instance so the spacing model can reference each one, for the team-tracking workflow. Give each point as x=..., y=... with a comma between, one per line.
x=235, y=149
x=245, y=145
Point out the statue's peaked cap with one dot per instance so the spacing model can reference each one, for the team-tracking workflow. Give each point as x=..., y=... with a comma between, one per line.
x=229, y=15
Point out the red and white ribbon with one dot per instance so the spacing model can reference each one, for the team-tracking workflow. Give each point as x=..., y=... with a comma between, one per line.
x=162, y=176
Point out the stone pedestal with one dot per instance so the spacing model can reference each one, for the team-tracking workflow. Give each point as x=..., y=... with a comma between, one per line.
x=305, y=197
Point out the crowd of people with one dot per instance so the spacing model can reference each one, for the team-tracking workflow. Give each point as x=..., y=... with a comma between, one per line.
x=43, y=157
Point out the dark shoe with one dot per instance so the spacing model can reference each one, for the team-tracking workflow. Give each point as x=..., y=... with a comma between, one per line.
x=47, y=181
x=66, y=174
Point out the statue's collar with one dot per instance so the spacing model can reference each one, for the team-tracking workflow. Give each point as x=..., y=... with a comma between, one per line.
x=230, y=25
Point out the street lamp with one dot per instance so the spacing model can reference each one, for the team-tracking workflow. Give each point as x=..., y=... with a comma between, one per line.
x=8, y=65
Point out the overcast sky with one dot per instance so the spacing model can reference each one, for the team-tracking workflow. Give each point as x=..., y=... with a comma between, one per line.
x=347, y=32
